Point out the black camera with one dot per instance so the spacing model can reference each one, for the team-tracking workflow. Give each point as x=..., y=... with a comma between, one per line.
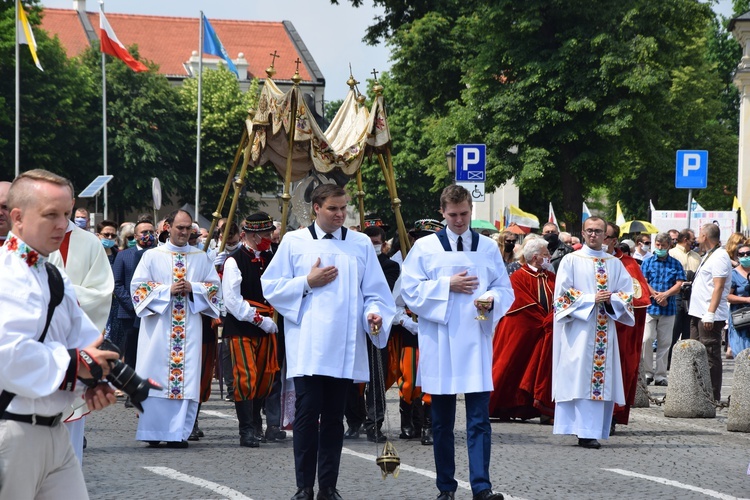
x=123, y=377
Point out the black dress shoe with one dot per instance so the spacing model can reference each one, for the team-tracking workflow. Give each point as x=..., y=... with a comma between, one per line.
x=304, y=494
x=194, y=436
x=446, y=495
x=352, y=433
x=249, y=440
x=589, y=443
x=375, y=436
x=153, y=444
x=427, y=436
x=649, y=380
x=329, y=493
x=408, y=433
x=177, y=444
x=488, y=495
x=661, y=383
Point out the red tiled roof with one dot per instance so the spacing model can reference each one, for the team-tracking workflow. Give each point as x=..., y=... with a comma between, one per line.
x=170, y=41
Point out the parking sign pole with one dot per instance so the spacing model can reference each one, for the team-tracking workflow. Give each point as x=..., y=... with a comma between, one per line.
x=690, y=207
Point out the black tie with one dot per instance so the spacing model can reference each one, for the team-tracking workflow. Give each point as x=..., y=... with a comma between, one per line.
x=328, y=236
x=543, y=295
x=460, y=245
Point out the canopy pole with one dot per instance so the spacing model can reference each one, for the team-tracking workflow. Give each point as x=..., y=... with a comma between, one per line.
x=237, y=190
x=286, y=197
x=361, y=197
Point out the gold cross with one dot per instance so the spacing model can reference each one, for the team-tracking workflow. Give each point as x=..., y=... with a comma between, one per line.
x=273, y=57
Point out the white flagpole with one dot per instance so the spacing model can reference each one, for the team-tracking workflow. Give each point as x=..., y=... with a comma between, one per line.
x=200, y=102
x=104, y=118
x=18, y=99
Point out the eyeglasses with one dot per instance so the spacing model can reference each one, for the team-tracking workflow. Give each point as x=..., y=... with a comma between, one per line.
x=511, y=241
x=147, y=232
x=130, y=238
x=743, y=254
x=592, y=232
x=109, y=236
x=645, y=243
x=609, y=236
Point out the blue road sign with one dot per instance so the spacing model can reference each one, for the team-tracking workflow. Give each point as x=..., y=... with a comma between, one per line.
x=471, y=160
x=692, y=169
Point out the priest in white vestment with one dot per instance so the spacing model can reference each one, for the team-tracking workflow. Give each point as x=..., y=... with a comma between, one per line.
x=328, y=285
x=82, y=258
x=172, y=285
x=443, y=278
x=592, y=291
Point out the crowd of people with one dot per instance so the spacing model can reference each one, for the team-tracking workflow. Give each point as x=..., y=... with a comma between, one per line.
x=312, y=329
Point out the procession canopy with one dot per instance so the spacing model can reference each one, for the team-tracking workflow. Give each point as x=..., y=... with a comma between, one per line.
x=353, y=134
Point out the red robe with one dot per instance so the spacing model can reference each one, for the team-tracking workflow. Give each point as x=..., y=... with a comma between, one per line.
x=522, y=350
x=630, y=338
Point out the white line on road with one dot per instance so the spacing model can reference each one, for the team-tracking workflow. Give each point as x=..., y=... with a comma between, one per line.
x=218, y=414
x=215, y=487
x=669, y=482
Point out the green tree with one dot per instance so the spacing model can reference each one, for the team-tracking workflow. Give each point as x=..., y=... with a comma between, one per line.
x=224, y=111
x=332, y=108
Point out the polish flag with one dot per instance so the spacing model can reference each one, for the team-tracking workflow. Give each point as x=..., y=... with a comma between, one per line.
x=112, y=46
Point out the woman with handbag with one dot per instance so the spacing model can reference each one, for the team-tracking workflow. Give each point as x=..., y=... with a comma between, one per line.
x=739, y=301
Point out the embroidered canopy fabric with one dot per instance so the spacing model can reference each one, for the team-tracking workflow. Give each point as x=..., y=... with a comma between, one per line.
x=353, y=133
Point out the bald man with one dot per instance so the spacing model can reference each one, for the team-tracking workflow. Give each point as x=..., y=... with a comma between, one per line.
x=4, y=213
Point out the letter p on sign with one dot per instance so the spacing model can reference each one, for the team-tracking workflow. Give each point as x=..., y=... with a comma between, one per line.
x=692, y=169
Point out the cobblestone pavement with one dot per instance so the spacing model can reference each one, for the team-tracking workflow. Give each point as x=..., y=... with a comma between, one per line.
x=653, y=457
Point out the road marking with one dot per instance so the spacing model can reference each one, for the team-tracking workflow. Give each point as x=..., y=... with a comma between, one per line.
x=209, y=485
x=218, y=414
x=669, y=482
x=424, y=472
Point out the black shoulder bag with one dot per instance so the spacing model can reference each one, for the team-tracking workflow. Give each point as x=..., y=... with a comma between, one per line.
x=56, y=292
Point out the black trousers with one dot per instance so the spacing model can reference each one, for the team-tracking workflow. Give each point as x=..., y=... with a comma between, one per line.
x=370, y=409
x=319, y=429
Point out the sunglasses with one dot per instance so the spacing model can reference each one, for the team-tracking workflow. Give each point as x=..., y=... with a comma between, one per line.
x=743, y=254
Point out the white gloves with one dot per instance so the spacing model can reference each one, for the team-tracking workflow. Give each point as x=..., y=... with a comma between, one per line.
x=268, y=326
x=220, y=258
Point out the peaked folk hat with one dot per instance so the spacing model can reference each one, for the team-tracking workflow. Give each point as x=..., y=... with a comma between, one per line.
x=424, y=227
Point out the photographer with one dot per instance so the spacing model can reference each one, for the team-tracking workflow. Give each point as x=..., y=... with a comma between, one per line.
x=36, y=456
x=690, y=261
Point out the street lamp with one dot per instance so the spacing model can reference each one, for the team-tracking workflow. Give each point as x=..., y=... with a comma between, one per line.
x=450, y=158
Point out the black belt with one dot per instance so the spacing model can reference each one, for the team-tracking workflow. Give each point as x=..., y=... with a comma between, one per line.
x=33, y=419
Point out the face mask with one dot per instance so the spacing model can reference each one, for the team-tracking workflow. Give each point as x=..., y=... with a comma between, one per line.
x=552, y=240
x=694, y=245
x=145, y=241
x=378, y=249
x=80, y=222
x=106, y=243
x=660, y=252
x=645, y=248
x=545, y=261
x=264, y=244
x=231, y=248
x=131, y=243
x=745, y=261
x=509, y=246
x=605, y=248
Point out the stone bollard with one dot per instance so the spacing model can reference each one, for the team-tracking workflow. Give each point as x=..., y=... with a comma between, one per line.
x=739, y=411
x=689, y=394
x=641, y=390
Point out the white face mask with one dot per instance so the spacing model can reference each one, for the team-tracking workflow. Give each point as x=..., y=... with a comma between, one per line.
x=545, y=261
x=645, y=248
x=378, y=249
x=231, y=248
x=605, y=248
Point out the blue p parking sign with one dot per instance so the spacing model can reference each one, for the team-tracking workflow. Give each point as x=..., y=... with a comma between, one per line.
x=692, y=169
x=471, y=160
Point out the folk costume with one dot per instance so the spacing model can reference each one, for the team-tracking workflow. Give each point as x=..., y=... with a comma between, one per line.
x=325, y=329
x=38, y=460
x=455, y=348
x=630, y=337
x=83, y=259
x=253, y=351
x=522, y=349
x=170, y=336
x=586, y=372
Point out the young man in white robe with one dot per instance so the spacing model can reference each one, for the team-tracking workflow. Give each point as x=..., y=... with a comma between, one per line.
x=330, y=288
x=36, y=456
x=172, y=285
x=84, y=260
x=592, y=291
x=448, y=279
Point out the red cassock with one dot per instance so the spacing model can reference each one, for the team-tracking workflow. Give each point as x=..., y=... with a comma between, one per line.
x=522, y=349
x=630, y=338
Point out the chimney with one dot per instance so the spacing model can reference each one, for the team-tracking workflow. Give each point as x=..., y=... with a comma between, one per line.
x=79, y=5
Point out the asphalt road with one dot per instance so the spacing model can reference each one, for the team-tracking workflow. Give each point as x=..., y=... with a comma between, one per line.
x=653, y=457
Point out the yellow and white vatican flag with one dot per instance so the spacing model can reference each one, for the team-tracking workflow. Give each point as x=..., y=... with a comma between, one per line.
x=25, y=35
x=521, y=218
x=619, y=218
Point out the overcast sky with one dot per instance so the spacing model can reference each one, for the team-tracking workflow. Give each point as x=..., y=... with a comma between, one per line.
x=332, y=33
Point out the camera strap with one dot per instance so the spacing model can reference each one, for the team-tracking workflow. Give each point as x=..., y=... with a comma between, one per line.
x=56, y=293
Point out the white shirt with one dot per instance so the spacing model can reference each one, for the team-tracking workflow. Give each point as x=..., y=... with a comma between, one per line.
x=715, y=264
x=453, y=239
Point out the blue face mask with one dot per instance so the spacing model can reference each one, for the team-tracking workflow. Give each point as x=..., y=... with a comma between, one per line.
x=80, y=222
x=745, y=261
x=660, y=252
x=131, y=243
x=106, y=243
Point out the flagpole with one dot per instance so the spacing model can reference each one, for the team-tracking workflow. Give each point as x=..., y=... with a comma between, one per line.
x=198, y=139
x=18, y=98
x=104, y=119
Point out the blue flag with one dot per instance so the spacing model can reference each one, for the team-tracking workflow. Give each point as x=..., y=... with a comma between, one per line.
x=212, y=45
